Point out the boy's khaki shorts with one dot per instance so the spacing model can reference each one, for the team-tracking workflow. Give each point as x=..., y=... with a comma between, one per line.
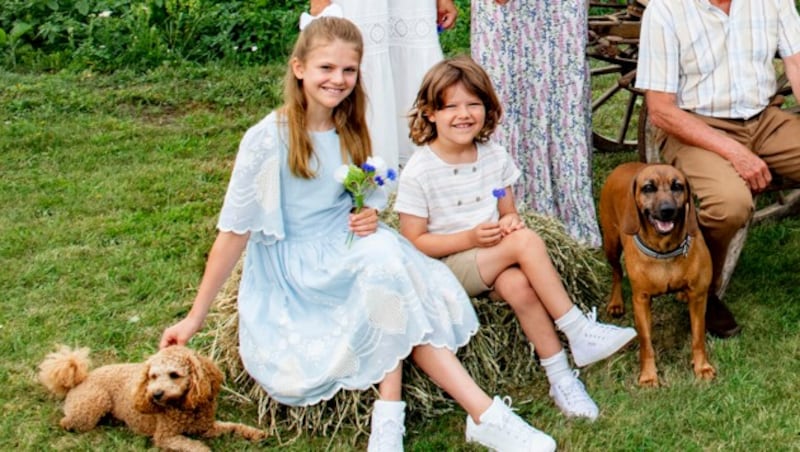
x=464, y=266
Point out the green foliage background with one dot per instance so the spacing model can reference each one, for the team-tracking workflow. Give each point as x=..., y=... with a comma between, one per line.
x=108, y=35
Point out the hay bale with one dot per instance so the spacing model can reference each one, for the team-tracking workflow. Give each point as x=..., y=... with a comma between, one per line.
x=498, y=356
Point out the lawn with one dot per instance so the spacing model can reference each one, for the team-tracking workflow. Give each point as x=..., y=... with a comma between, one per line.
x=110, y=187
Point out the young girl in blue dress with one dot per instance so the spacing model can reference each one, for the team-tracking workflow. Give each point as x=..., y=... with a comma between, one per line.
x=455, y=203
x=317, y=315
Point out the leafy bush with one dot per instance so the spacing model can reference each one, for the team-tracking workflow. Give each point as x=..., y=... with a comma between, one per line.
x=141, y=34
x=107, y=35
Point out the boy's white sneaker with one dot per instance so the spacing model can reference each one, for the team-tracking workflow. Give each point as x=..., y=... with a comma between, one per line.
x=571, y=397
x=387, y=427
x=597, y=341
x=503, y=431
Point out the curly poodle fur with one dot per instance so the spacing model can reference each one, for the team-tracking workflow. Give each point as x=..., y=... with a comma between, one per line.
x=170, y=395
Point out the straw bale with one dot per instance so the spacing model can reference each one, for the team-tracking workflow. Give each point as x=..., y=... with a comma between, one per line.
x=498, y=357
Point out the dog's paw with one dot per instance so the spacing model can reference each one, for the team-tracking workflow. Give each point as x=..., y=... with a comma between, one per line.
x=705, y=372
x=615, y=309
x=648, y=380
x=254, y=434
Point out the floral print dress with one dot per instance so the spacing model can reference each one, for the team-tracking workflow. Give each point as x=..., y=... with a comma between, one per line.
x=533, y=51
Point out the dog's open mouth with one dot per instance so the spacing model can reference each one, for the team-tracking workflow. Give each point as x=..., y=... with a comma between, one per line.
x=662, y=227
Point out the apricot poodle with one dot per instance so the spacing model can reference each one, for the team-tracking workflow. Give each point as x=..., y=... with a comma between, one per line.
x=172, y=394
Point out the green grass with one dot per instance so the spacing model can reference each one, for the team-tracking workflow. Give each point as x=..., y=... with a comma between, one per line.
x=110, y=187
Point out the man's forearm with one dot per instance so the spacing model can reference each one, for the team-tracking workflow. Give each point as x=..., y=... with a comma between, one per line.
x=792, y=67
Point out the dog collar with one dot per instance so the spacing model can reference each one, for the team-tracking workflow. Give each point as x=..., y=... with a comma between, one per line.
x=682, y=249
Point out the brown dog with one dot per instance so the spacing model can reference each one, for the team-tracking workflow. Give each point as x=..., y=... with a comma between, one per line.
x=647, y=212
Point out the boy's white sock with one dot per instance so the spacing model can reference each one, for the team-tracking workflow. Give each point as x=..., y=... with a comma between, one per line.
x=556, y=367
x=572, y=322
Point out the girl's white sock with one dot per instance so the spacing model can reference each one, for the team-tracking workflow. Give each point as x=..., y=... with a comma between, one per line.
x=392, y=409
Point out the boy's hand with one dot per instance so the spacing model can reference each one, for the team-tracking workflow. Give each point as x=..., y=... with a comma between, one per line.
x=365, y=222
x=510, y=223
x=487, y=234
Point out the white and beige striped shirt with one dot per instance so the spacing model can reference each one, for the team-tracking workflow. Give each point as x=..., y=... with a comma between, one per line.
x=454, y=197
x=717, y=64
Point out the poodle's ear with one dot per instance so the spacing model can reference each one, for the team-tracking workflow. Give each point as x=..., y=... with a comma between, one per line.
x=205, y=381
x=630, y=211
x=141, y=402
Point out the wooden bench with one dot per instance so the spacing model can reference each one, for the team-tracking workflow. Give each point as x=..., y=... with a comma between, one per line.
x=785, y=194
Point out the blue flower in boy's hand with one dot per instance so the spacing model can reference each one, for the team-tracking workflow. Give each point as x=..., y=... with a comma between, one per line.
x=391, y=174
x=499, y=193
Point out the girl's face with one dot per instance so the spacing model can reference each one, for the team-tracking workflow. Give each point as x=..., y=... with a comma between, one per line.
x=461, y=118
x=329, y=74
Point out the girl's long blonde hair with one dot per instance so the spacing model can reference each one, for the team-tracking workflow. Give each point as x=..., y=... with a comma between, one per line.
x=349, y=117
x=430, y=98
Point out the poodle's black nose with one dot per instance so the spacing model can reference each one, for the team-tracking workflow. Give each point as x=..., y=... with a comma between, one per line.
x=157, y=395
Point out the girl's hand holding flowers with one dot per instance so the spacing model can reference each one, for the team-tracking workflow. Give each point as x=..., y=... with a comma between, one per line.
x=365, y=222
x=360, y=183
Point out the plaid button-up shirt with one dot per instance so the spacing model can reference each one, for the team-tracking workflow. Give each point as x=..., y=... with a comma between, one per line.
x=717, y=64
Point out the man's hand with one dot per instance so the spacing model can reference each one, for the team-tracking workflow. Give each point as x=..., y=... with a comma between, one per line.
x=751, y=168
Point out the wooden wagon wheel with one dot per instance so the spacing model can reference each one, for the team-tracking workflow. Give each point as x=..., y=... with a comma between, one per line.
x=612, y=53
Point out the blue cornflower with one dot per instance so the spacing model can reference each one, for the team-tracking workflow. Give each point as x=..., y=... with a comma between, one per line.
x=391, y=174
x=499, y=192
x=368, y=168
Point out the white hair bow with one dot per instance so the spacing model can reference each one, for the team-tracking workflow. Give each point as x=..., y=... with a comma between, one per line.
x=332, y=10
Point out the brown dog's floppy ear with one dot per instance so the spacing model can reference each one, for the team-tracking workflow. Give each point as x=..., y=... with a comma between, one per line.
x=692, y=228
x=205, y=381
x=630, y=212
x=141, y=402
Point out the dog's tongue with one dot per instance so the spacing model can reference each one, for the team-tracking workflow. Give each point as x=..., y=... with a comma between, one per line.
x=663, y=226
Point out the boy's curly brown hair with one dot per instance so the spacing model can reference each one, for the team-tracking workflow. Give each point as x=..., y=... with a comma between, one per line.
x=430, y=98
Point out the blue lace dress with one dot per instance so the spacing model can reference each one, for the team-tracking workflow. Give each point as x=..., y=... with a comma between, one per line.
x=317, y=316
